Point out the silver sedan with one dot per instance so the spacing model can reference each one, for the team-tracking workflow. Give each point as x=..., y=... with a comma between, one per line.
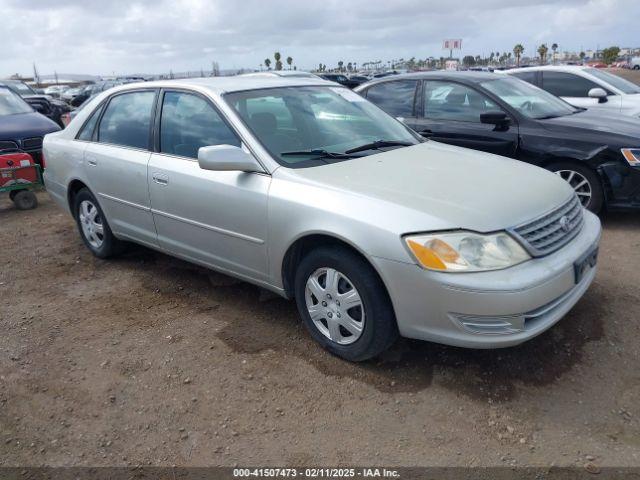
x=302, y=187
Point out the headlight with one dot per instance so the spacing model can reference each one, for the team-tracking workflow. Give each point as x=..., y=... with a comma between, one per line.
x=465, y=251
x=632, y=156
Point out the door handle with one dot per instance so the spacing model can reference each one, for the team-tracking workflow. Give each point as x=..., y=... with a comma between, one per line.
x=92, y=162
x=160, y=178
x=426, y=133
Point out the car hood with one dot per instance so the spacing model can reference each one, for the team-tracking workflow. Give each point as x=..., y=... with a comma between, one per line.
x=597, y=127
x=433, y=186
x=25, y=125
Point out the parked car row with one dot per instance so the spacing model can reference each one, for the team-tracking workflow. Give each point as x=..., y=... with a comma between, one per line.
x=586, y=87
x=21, y=127
x=595, y=151
x=46, y=105
x=306, y=188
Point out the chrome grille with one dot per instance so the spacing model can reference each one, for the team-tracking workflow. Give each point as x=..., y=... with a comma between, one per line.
x=34, y=143
x=550, y=232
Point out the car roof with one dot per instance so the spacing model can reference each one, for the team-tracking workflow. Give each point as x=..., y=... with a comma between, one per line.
x=238, y=83
x=552, y=68
x=466, y=76
x=280, y=73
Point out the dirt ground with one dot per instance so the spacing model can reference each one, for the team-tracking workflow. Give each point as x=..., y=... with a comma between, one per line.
x=148, y=360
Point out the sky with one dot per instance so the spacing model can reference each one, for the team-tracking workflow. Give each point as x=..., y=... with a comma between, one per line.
x=107, y=37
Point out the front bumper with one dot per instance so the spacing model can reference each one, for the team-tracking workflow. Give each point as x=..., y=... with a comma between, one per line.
x=489, y=309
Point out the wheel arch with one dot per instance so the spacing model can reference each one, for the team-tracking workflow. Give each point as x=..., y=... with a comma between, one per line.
x=73, y=188
x=306, y=242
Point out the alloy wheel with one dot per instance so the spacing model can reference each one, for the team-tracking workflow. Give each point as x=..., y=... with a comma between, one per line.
x=579, y=183
x=335, y=306
x=91, y=223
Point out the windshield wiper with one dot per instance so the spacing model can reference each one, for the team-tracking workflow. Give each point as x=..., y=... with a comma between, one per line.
x=318, y=153
x=379, y=144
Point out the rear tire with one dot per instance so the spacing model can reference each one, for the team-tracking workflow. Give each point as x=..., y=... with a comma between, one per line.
x=367, y=324
x=591, y=194
x=636, y=67
x=25, y=200
x=93, y=226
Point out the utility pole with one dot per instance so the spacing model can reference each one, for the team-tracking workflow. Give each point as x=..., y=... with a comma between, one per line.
x=36, y=77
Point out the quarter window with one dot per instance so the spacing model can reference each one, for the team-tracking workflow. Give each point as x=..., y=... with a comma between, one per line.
x=189, y=122
x=89, y=127
x=395, y=98
x=127, y=120
x=452, y=101
x=566, y=84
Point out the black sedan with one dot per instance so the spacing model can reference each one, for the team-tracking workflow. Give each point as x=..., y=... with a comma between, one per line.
x=599, y=156
x=44, y=104
x=21, y=128
x=339, y=78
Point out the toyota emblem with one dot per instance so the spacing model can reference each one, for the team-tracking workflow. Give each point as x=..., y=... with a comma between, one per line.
x=564, y=223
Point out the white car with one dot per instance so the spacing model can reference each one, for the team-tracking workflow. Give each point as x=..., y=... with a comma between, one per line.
x=585, y=87
x=635, y=63
x=281, y=73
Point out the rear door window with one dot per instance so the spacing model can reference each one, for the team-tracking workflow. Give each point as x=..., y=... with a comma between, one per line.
x=396, y=98
x=127, y=120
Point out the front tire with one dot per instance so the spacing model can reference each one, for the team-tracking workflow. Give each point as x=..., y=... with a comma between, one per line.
x=344, y=304
x=584, y=181
x=93, y=226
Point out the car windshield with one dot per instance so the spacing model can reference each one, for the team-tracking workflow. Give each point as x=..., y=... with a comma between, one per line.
x=22, y=88
x=529, y=100
x=625, y=86
x=11, y=103
x=308, y=126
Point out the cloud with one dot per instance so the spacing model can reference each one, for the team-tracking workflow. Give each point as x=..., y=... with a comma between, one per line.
x=94, y=36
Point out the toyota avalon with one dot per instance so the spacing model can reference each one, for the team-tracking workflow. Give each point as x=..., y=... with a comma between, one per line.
x=305, y=188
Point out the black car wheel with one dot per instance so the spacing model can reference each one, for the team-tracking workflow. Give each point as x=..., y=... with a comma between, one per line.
x=584, y=181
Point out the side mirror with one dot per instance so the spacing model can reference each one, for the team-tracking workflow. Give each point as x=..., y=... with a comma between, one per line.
x=225, y=158
x=598, y=93
x=499, y=119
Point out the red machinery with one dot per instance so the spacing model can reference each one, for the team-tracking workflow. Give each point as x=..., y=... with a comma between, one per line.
x=19, y=174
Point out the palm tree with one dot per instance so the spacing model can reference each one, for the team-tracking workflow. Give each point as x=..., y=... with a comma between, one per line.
x=340, y=64
x=542, y=51
x=289, y=62
x=518, y=50
x=554, y=47
x=582, y=55
x=267, y=63
x=277, y=57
